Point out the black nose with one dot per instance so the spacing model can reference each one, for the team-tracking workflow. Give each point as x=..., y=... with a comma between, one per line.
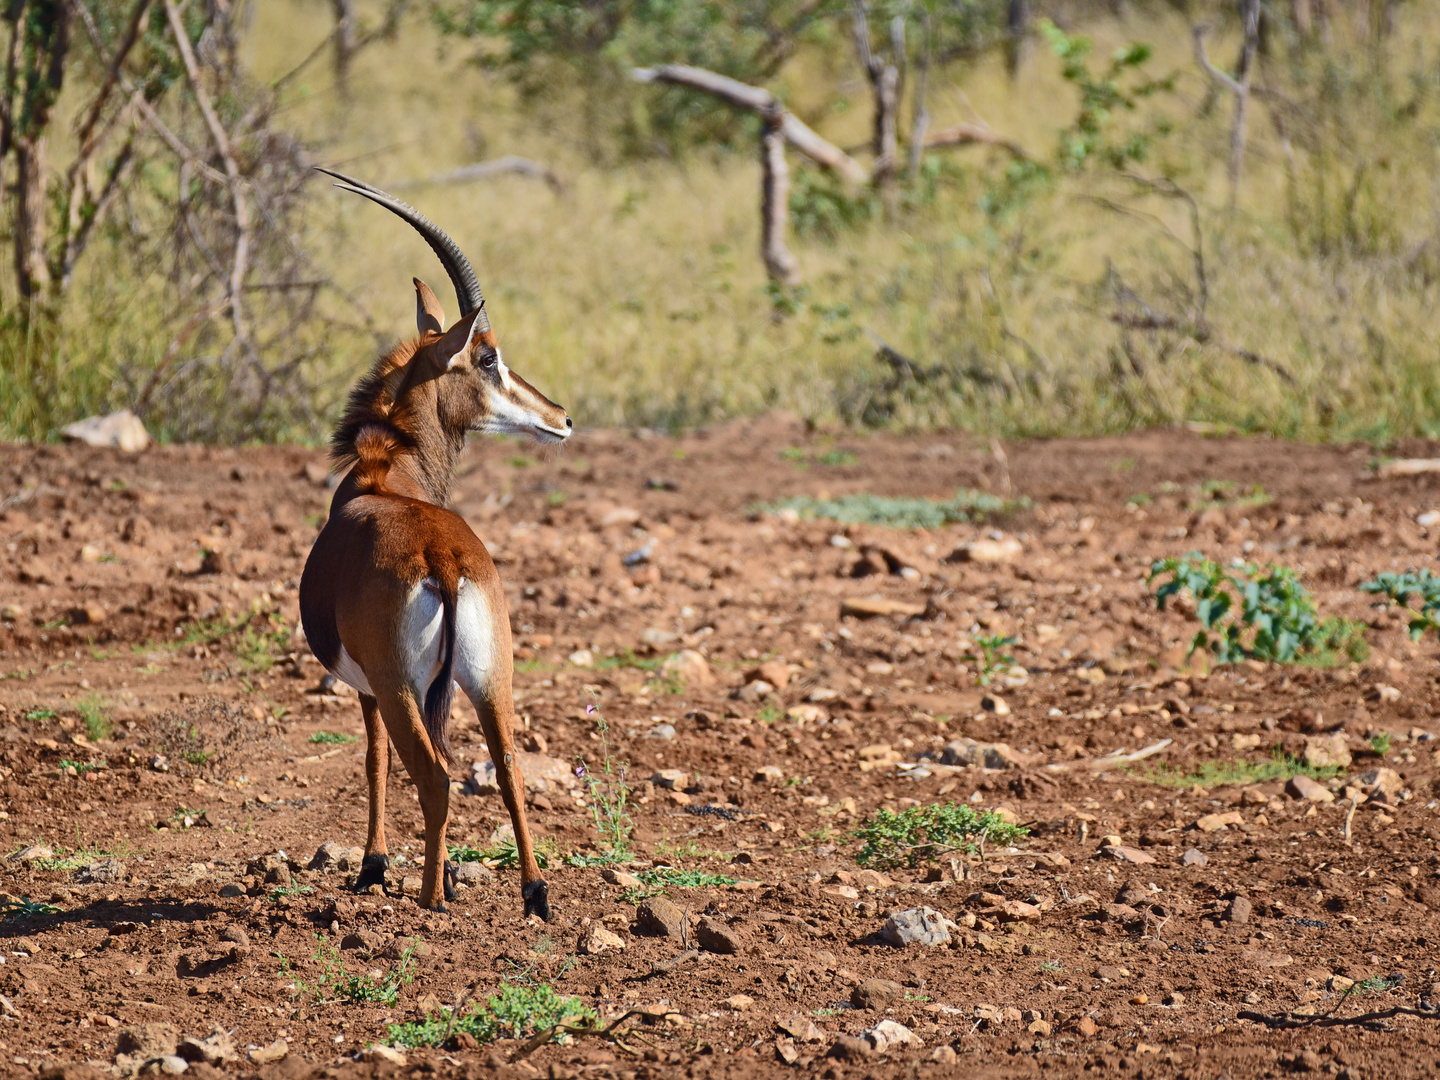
x=569, y=423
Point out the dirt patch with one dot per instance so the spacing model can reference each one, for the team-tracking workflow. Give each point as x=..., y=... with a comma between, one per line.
x=171, y=762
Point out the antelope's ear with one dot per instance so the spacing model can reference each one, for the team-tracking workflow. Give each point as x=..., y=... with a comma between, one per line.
x=453, y=349
x=429, y=315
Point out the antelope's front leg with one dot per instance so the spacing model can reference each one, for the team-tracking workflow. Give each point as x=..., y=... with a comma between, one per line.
x=377, y=771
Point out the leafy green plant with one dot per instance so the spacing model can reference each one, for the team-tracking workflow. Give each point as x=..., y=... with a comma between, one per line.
x=67, y=859
x=513, y=1012
x=94, y=712
x=900, y=513
x=991, y=658
x=331, y=738
x=1375, y=984
x=924, y=833
x=1279, y=766
x=259, y=647
x=337, y=984
x=82, y=767
x=1406, y=589
x=671, y=877
x=836, y=457
x=1380, y=743
x=290, y=890
x=609, y=797
x=501, y=855
x=25, y=908
x=1249, y=613
x=40, y=714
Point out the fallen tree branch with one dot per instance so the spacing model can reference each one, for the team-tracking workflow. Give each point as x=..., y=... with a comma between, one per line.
x=1201, y=333
x=971, y=134
x=608, y=1033
x=1125, y=759
x=510, y=164
x=1371, y=1020
x=757, y=99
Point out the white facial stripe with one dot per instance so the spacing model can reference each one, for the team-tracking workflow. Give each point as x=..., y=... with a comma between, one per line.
x=504, y=371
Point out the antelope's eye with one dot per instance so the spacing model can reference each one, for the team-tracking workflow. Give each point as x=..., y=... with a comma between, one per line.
x=488, y=358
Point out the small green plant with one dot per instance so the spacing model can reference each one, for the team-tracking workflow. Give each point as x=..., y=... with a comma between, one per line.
x=792, y=453
x=1248, y=613
x=991, y=658
x=1278, y=766
x=40, y=714
x=25, y=908
x=609, y=797
x=1380, y=743
x=290, y=890
x=259, y=647
x=670, y=877
x=94, y=710
x=337, y=984
x=67, y=859
x=1220, y=494
x=82, y=767
x=836, y=457
x=924, y=833
x=1375, y=984
x=1403, y=589
x=331, y=738
x=519, y=461
x=501, y=855
x=1052, y=965
x=513, y=1012
x=768, y=714
x=900, y=513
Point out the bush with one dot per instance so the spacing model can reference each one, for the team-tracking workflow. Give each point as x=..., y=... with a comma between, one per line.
x=514, y=1012
x=924, y=833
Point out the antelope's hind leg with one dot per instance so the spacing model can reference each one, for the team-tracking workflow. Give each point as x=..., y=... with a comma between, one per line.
x=377, y=770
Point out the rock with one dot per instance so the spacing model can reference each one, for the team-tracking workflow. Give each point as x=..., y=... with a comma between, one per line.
x=1128, y=854
x=279, y=875
x=367, y=940
x=1339, y=983
x=807, y=714
x=877, y=994
x=582, y=658
x=147, y=1040
x=1018, y=911
x=334, y=855
x=801, y=1028
x=33, y=853
x=1087, y=1028
x=387, y=1054
x=1215, y=822
x=215, y=1049
x=785, y=1050
x=1038, y=1027
x=738, y=1002
x=1307, y=790
x=890, y=1035
x=121, y=429
x=89, y=614
x=1327, y=751
x=173, y=1064
x=410, y=884
x=661, y=731
x=1174, y=999
x=715, y=936
x=103, y=872
x=985, y=550
x=994, y=703
x=690, y=668
x=945, y=1054
x=268, y=1055
x=670, y=778
x=231, y=890
x=866, y=607
x=850, y=1048
x=918, y=926
x=235, y=934
x=871, y=879
x=1194, y=857
x=471, y=874
x=598, y=940
x=620, y=878
x=774, y=672
x=1238, y=910
x=1265, y=958
x=662, y=916
x=769, y=774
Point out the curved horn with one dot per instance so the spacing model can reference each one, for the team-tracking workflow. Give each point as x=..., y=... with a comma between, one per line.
x=462, y=274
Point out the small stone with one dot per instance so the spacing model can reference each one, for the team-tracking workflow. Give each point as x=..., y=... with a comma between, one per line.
x=103, y=872
x=621, y=878
x=1327, y=751
x=147, y=1040
x=1215, y=822
x=785, y=1050
x=1308, y=790
x=738, y=1002
x=387, y=1054
x=1128, y=854
x=215, y=1049
x=850, y=1048
x=1382, y=781
x=91, y=613
x=801, y=1028
x=871, y=879
x=1087, y=1028
x=1194, y=857
x=33, y=853
x=1339, y=983
x=769, y=774
x=269, y=1054
x=918, y=926
x=842, y=892
x=985, y=550
x=1174, y=999
x=774, y=672
x=173, y=1064
x=231, y=890
x=1238, y=911
x=598, y=940
x=715, y=936
x=890, y=1035
x=670, y=778
x=877, y=994
x=471, y=874
x=690, y=668
x=945, y=1053
x=662, y=916
x=994, y=703
x=366, y=940
x=333, y=855
x=410, y=884
x=235, y=934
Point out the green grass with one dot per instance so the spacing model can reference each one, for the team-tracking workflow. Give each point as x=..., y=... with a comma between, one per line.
x=94, y=711
x=82, y=767
x=899, y=513
x=40, y=714
x=67, y=860
x=1278, y=766
x=925, y=833
x=331, y=738
x=336, y=984
x=671, y=877
x=501, y=855
x=515, y=1011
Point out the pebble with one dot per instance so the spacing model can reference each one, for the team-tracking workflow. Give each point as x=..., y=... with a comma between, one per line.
x=769, y=774
x=689, y=667
x=1087, y=1028
x=269, y=1054
x=877, y=994
x=662, y=916
x=33, y=853
x=1194, y=857
x=670, y=778
x=994, y=703
x=739, y=1003
x=173, y=1064
x=945, y=1053
x=918, y=926
x=471, y=874
x=662, y=731
x=890, y=1035
x=986, y=550
x=231, y=890
x=715, y=936
x=850, y=1048
x=333, y=855
x=1128, y=854
x=599, y=940
x=1238, y=911
x=801, y=1028
x=1215, y=822
x=1307, y=790
x=621, y=878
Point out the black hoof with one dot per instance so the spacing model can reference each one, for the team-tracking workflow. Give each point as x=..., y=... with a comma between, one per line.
x=537, y=899
x=449, y=880
x=372, y=872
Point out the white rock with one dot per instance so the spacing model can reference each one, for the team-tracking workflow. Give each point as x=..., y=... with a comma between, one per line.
x=918, y=926
x=891, y=1035
x=121, y=429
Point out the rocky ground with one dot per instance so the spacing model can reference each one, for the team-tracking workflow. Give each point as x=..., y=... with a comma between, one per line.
x=172, y=764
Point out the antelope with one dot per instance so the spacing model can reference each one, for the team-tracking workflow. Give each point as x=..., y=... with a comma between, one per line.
x=399, y=598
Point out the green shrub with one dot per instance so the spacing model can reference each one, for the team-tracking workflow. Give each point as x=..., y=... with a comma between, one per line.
x=1251, y=614
x=1402, y=589
x=924, y=833
x=900, y=513
x=513, y=1012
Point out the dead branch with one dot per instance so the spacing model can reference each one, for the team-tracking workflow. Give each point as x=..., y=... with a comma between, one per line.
x=1240, y=87
x=886, y=84
x=1201, y=333
x=920, y=121
x=759, y=100
x=609, y=1032
x=970, y=134
x=484, y=170
x=1371, y=1020
x=780, y=262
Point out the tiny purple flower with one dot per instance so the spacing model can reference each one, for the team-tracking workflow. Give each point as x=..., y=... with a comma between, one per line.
x=580, y=771
x=589, y=710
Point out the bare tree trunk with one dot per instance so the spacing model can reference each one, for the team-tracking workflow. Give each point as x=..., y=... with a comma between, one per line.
x=885, y=83
x=920, y=115
x=780, y=263
x=346, y=40
x=1242, y=96
x=31, y=273
x=1300, y=15
x=46, y=29
x=1017, y=19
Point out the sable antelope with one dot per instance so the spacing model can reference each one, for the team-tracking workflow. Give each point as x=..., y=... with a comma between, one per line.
x=399, y=598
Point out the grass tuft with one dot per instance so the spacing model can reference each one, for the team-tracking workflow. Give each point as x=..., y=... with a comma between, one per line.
x=514, y=1012
x=900, y=513
x=1210, y=774
x=925, y=833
